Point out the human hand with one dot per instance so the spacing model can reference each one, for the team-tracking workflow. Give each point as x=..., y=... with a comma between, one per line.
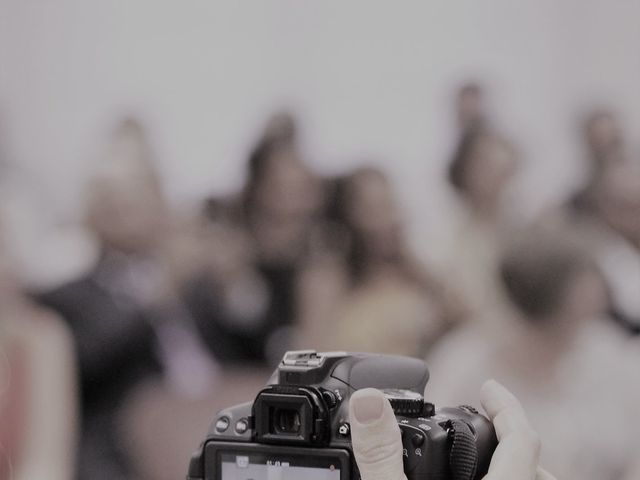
x=377, y=444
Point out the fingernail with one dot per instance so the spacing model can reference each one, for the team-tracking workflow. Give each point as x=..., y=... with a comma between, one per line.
x=368, y=405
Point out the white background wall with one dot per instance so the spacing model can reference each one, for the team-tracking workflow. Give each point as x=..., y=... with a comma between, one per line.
x=368, y=78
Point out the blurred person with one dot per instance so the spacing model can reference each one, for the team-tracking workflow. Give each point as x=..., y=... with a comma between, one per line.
x=604, y=147
x=604, y=139
x=377, y=297
x=281, y=201
x=280, y=131
x=608, y=221
x=557, y=355
x=247, y=304
x=470, y=108
x=480, y=172
x=37, y=387
x=126, y=315
x=282, y=126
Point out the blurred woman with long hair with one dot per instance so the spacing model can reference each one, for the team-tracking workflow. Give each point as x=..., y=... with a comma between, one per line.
x=480, y=173
x=384, y=300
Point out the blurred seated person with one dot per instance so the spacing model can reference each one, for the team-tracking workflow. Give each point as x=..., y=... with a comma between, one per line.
x=606, y=212
x=37, y=387
x=470, y=108
x=126, y=316
x=375, y=296
x=604, y=138
x=606, y=209
x=608, y=220
x=279, y=131
x=604, y=147
x=247, y=304
x=557, y=354
x=480, y=173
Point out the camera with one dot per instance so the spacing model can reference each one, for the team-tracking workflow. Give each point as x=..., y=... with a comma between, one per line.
x=298, y=425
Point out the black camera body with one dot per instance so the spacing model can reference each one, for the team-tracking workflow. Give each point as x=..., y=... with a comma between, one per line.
x=298, y=426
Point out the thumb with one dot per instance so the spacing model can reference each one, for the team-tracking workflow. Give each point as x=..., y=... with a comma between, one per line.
x=375, y=436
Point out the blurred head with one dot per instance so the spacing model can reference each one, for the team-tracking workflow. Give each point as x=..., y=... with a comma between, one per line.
x=482, y=167
x=369, y=204
x=126, y=208
x=469, y=106
x=552, y=281
x=279, y=184
x=603, y=137
x=281, y=126
x=129, y=144
x=367, y=208
x=617, y=199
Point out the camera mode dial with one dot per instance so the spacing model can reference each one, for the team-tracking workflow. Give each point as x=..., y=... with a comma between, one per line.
x=405, y=402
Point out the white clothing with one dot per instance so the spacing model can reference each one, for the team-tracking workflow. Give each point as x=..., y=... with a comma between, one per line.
x=585, y=408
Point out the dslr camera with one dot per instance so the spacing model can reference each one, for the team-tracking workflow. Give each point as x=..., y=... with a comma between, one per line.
x=297, y=428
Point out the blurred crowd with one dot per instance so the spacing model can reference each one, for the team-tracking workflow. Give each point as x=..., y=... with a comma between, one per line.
x=111, y=369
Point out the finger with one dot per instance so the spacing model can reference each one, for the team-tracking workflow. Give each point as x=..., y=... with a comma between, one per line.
x=375, y=436
x=503, y=409
x=518, y=451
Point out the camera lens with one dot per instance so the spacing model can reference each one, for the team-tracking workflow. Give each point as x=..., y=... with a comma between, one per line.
x=287, y=421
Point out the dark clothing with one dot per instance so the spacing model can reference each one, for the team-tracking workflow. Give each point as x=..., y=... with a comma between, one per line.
x=114, y=341
x=630, y=325
x=226, y=336
x=116, y=348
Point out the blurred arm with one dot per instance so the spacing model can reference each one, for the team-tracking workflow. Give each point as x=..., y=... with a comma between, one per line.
x=50, y=438
x=320, y=291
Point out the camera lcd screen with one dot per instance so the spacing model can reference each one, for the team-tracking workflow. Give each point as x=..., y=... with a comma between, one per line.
x=258, y=466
